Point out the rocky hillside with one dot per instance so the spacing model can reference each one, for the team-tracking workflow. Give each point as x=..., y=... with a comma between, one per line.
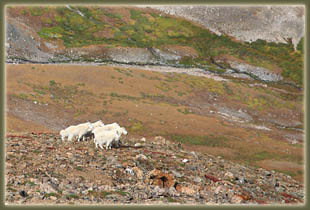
x=141, y=171
x=276, y=23
x=146, y=36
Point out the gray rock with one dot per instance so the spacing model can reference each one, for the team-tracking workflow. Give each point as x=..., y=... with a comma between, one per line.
x=118, y=165
x=267, y=173
x=194, y=154
x=197, y=179
x=259, y=72
x=137, y=145
x=177, y=174
x=192, y=167
x=157, y=191
x=234, y=115
x=172, y=192
x=249, y=23
x=45, y=187
x=112, y=160
x=22, y=46
x=133, y=55
x=165, y=57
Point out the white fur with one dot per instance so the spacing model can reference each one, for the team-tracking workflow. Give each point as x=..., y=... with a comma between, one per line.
x=108, y=137
x=108, y=127
x=121, y=131
x=76, y=131
x=99, y=123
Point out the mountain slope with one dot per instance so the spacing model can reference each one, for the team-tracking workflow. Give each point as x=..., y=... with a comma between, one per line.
x=97, y=34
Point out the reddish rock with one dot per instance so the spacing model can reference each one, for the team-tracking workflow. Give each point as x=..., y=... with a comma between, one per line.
x=178, y=187
x=188, y=190
x=161, y=179
x=290, y=197
x=236, y=199
x=138, y=172
x=245, y=196
x=260, y=201
x=213, y=178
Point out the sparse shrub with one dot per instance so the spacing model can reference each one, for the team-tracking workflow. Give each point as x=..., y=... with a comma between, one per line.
x=262, y=156
x=39, y=91
x=186, y=111
x=79, y=168
x=300, y=45
x=23, y=96
x=122, y=193
x=72, y=196
x=227, y=89
x=134, y=14
x=163, y=86
x=137, y=127
x=52, y=83
x=37, y=11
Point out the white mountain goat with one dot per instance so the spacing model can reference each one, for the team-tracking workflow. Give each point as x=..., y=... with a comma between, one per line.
x=90, y=134
x=108, y=127
x=76, y=131
x=108, y=137
x=121, y=130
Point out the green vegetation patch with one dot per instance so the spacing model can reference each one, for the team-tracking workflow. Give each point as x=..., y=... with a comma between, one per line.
x=38, y=11
x=79, y=168
x=207, y=84
x=47, y=195
x=185, y=111
x=171, y=200
x=122, y=96
x=262, y=156
x=126, y=72
x=11, y=189
x=72, y=196
x=52, y=32
x=208, y=140
x=163, y=86
x=122, y=193
x=137, y=127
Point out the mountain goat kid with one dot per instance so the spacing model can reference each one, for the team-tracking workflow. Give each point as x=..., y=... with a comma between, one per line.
x=76, y=131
